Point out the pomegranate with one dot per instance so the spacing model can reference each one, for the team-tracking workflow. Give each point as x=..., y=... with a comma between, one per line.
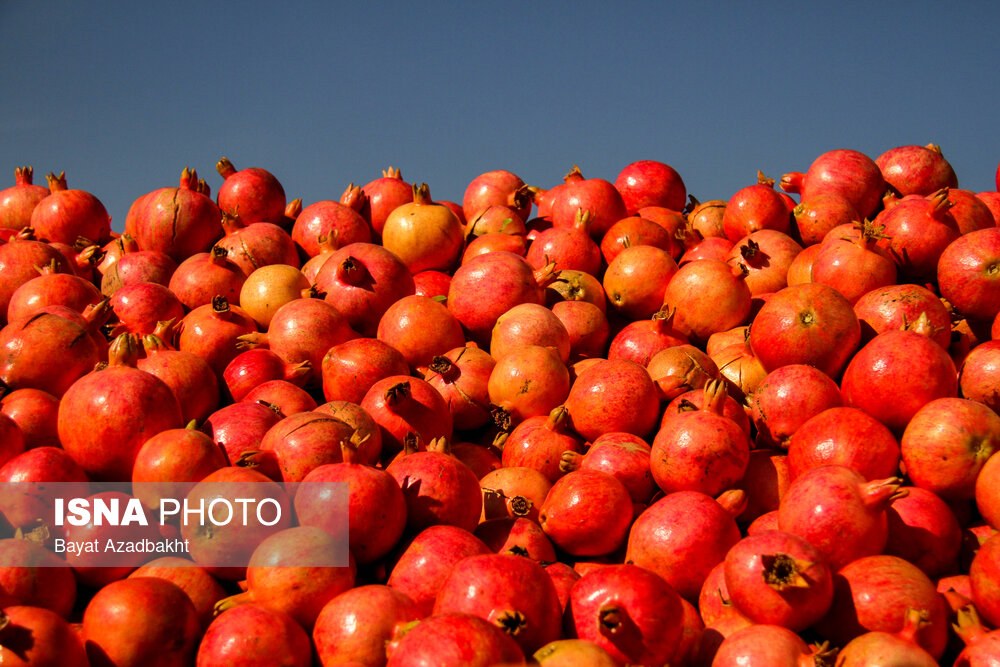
x=424, y=235
x=613, y=395
x=681, y=537
x=383, y=196
x=35, y=412
x=520, y=491
x=700, y=450
x=971, y=213
x=18, y=201
x=349, y=369
x=65, y=214
x=420, y=328
x=528, y=382
x=854, y=267
x=787, y=398
x=629, y=611
x=287, y=397
x=425, y=562
x=46, y=352
x=920, y=170
x=461, y=376
x=201, y=587
x=806, y=324
x=844, y=436
x=917, y=231
x=570, y=247
x=362, y=280
x=438, y=488
x=140, y=266
x=177, y=221
x=251, y=634
x=873, y=593
x=896, y=306
x=496, y=187
x=239, y=427
x=538, y=442
x=251, y=368
x=754, y=208
x=139, y=621
x=635, y=281
x=253, y=194
x=256, y=244
x=32, y=575
x=946, y=443
x=294, y=571
x=173, y=456
x=106, y=416
x=679, y=369
x=968, y=274
x=51, y=288
x=31, y=635
x=489, y=285
x=771, y=646
x=981, y=644
x=204, y=275
x=621, y=455
x=650, y=183
x=816, y=216
x=511, y=592
x=337, y=221
x=707, y=296
x=495, y=219
x=897, y=373
x=367, y=431
x=838, y=512
x=779, y=579
x=587, y=513
x=304, y=441
x=596, y=195
x=452, y=639
x=212, y=332
x=357, y=624
x=924, y=531
x=846, y=172
x=986, y=496
x=516, y=535
x=400, y=405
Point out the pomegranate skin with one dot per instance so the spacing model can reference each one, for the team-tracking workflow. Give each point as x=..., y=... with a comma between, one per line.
x=254, y=636
x=45, y=352
x=613, y=395
x=141, y=621
x=924, y=531
x=438, y=488
x=66, y=214
x=38, y=637
x=357, y=624
x=873, y=593
x=587, y=513
x=682, y=537
x=968, y=274
x=984, y=578
x=844, y=436
x=511, y=591
x=424, y=563
x=778, y=578
x=838, y=512
x=453, y=640
x=18, y=201
x=946, y=444
x=650, y=183
x=178, y=221
x=846, y=172
x=896, y=374
x=787, y=398
x=766, y=646
x=916, y=170
x=629, y=611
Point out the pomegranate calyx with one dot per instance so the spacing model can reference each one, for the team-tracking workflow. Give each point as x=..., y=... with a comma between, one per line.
x=251, y=341
x=881, y=493
x=519, y=506
x=510, y=621
x=23, y=175
x=352, y=272
x=968, y=626
x=231, y=601
x=56, y=183
x=354, y=197
x=422, y=194
x=557, y=420
x=792, y=182
x=392, y=172
x=764, y=180
x=124, y=350
x=783, y=572
x=570, y=461
x=574, y=174
x=225, y=167
x=397, y=393
x=546, y=275
x=734, y=501
x=610, y=619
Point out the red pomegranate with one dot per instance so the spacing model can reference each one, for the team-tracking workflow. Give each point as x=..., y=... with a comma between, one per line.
x=650, y=183
x=420, y=328
x=895, y=306
x=570, y=246
x=106, y=416
x=837, y=511
x=587, y=513
x=768, y=645
x=596, y=195
x=917, y=231
x=500, y=187
x=253, y=367
x=787, y=398
x=816, y=216
x=968, y=274
x=854, y=267
x=349, y=369
x=528, y=382
x=357, y=624
x=873, y=593
x=621, y=455
x=844, y=436
x=452, y=639
x=754, y=208
x=383, y=196
x=461, y=376
x=707, y=296
x=253, y=194
x=337, y=221
x=846, y=172
x=401, y=404
x=636, y=280
x=141, y=621
x=629, y=611
x=509, y=591
x=67, y=214
x=946, y=443
x=254, y=635
x=539, y=443
x=613, y=395
x=920, y=170
x=806, y=324
x=38, y=637
x=924, y=531
x=177, y=221
x=682, y=537
x=18, y=201
x=34, y=411
x=212, y=332
x=897, y=373
x=438, y=488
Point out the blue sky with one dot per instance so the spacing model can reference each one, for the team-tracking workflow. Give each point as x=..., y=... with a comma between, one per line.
x=124, y=95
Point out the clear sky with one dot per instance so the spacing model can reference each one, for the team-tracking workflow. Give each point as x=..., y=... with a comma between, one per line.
x=124, y=95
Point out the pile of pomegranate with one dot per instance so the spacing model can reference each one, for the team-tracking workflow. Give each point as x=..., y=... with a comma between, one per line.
x=600, y=423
